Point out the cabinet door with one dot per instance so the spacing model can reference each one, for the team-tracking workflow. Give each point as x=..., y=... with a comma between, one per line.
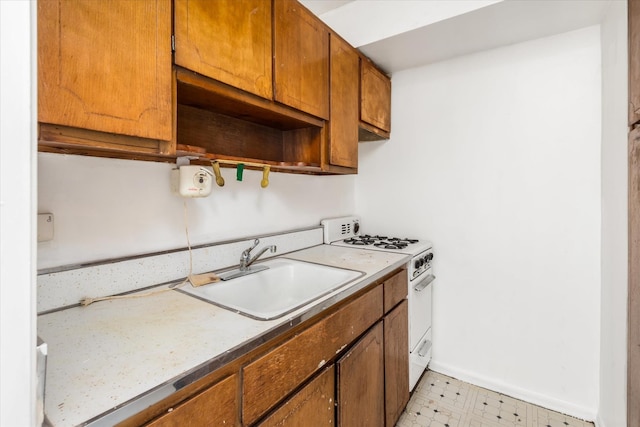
x=313, y=405
x=106, y=66
x=360, y=394
x=216, y=405
x=343, y=125
x=634, y=61
x=301, y=59
x=227, y=40
x=375, y=97
x=396, y=362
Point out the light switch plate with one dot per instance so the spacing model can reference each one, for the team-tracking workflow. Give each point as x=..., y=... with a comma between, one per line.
x=45, y=227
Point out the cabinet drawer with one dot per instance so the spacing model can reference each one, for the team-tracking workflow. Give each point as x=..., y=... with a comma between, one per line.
x=395, y=290
x=271, y=377
x=219, y=403
x=311, y=406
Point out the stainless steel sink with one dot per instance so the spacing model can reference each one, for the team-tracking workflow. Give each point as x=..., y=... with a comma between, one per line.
x=283, y=287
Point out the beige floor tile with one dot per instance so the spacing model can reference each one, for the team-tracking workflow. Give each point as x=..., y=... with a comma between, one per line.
x=442, y=401
x=546, y=418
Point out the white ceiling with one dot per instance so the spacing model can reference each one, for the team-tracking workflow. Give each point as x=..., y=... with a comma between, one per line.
x=319, y=7
x=398, y=34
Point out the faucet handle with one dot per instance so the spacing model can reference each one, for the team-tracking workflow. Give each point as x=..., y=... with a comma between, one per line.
x=247, y=251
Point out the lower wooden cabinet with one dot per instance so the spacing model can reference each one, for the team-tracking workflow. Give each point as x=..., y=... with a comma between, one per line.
x=217, y=406
x=396, y=361
x=313, y=405
x=360, y=391
x=270, y=378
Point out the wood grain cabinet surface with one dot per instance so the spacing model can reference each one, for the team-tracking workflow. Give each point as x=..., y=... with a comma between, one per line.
x=106, y=69
x=229, y=41
x=301, y=59
x=375, y=101
x=395, y=290
x=360, y=389
x=343, y=124
x=216, y=406
x=313, y=405
x=250, y=81
x=276, y=374
x=396, y=362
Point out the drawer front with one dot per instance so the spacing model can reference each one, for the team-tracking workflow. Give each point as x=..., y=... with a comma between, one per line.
x=311, y=406
x=276, y=374
x=218, y=402
x=395, y=290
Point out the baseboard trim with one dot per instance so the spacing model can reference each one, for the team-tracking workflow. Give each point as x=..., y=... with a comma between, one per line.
x=529, y=396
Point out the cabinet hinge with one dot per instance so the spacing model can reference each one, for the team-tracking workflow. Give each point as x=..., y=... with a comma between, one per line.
x=173, y=43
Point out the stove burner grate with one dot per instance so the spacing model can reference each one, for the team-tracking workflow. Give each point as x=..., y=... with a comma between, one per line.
x=382, y=242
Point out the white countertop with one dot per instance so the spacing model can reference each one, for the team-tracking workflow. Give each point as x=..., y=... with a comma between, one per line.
x=112, y=352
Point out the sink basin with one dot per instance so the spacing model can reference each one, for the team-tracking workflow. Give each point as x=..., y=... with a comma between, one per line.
x=285, y=286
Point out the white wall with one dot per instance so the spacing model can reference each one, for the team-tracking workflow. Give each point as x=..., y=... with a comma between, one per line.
x=106, y=208
x=613, y=334
x=17, y=207
x=495, y=157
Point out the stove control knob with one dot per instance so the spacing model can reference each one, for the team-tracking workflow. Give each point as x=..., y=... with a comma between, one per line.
x=417, y=263
x=356, y=227
x=429, y=257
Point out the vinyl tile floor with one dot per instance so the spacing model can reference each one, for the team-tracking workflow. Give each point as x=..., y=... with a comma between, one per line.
x=442, y=401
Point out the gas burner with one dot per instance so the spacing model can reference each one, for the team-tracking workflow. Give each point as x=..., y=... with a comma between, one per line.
x=390, y=245
x=359, y=241
x=382, y=242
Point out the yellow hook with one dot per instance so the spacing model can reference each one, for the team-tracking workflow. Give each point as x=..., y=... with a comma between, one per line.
x=265, y=176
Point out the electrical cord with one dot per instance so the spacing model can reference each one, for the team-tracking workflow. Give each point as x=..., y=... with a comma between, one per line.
x=87, y=300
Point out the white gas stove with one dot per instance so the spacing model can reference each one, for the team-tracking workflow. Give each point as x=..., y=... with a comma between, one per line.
x=346, y=231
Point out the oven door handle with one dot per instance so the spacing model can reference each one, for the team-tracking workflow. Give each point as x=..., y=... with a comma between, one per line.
x=426, y=282
x=424, y=348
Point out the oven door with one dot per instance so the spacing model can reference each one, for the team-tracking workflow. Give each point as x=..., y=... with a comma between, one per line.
x=419, y=358
x=420, y=294
x=420, y=307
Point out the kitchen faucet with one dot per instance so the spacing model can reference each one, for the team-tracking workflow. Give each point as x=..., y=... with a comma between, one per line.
x=246, y=261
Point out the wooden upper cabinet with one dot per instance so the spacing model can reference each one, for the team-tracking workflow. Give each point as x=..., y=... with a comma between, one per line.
x=106, y=66
x=375, y=97
x=301, y=59
x=634, y=61
x=343, y=125
x=227, y=40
